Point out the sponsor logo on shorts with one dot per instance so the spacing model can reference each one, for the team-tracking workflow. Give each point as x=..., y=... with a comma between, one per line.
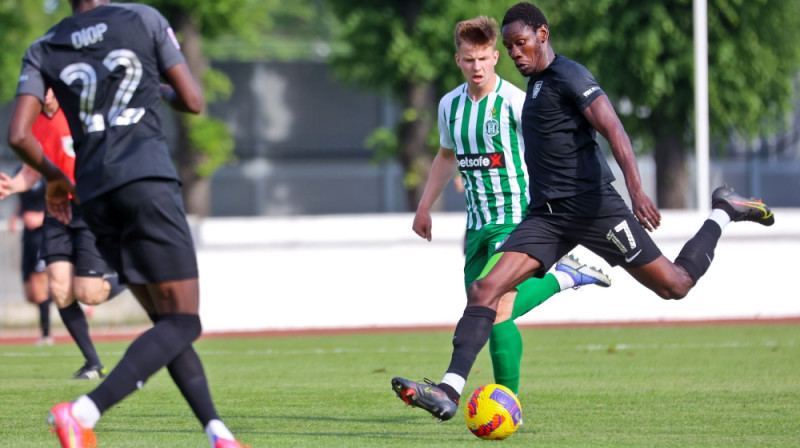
x=632, y=257
x=470, y=162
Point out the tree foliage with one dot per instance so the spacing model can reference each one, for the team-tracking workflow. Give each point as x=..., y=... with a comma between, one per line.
x=205, y=144
x=21, y=23
x=406, y=48
x=641, y=51
x=390, y=43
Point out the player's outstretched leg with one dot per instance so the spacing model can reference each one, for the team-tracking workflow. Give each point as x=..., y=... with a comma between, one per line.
x=71, y=433
x=740, y=208
x=427, y=396
x=582, y=274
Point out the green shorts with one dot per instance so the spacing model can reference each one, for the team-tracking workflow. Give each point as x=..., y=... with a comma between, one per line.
x=481, y=245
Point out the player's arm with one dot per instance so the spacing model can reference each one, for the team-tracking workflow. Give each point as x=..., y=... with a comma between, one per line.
x=21, y=140
x=443, y=169
x=604, y=119
x=22, y=181
x=28, y=149
x=182, y=92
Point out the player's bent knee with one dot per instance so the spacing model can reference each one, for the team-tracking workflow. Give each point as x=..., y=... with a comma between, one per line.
x=90, y=290
x=672, y=293
x=92, y=296
x=480, y=294
x=60, y=294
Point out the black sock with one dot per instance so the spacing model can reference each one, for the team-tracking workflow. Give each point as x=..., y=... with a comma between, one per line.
x=187, y=372
x=698, y=252
x=172, y=335
x=75, y=320
x=116, y=286
x=44, y=317
x=471, y=334
x=448, y=389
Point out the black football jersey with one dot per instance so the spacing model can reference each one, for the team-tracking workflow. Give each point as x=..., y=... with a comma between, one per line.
x=562, y=155
x=105, y=67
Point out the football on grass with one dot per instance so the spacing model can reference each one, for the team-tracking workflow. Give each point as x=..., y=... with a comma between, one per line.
x=493, y=412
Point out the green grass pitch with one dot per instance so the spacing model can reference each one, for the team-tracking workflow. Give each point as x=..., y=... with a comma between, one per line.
x=680, y=386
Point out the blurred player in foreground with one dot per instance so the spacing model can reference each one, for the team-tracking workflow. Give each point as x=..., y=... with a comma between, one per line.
x=76, y=272
x=572, y=199
x=30, y=210
x=105, y=63
x=481, y=138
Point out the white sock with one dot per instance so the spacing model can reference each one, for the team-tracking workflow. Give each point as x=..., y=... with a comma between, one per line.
x=85, y=411
x=215, y=429
x=454, y=381
x=565, y=281
x=720, y=217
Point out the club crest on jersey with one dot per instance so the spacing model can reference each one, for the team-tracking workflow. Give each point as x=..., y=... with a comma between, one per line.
x=68, y=146
x=491, y=127
x=471, y=162
x=536, y=88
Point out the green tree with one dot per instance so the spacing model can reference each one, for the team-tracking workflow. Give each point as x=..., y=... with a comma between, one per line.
x=642, y=53
x=21, y=23
x=205, y=143
x=406, y=48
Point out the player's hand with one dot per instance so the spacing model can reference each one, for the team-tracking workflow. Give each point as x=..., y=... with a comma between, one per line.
x=423, y=224
x=5, y=186
x=57, y=198
x=646, y=211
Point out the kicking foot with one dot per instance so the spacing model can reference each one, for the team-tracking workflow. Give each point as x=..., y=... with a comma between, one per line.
x=740, y=208
x=426, y=396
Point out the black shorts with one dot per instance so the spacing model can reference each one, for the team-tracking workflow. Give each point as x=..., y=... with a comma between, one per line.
x=599, y=220
x=32, y=252
x=142, y=231
x=74, y=243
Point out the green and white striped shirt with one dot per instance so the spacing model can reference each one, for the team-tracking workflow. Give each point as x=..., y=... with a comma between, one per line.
x=487, y=139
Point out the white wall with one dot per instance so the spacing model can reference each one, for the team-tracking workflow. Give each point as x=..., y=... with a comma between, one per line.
x=373, y=271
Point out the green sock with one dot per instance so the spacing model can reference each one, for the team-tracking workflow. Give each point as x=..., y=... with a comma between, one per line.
x=534, y=292
x=505, y=347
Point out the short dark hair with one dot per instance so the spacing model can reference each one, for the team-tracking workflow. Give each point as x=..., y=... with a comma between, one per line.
x=527, y=13
x=481, y=30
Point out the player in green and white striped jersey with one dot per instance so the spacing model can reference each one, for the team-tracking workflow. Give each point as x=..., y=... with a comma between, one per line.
x=484, y=134
x=480, y=136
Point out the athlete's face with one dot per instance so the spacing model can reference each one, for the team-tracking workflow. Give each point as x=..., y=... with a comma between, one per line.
x=477, y=63
x=526, y=47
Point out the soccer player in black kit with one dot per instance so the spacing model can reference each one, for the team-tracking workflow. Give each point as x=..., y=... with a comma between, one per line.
x=573, y=201
x=105, y=64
